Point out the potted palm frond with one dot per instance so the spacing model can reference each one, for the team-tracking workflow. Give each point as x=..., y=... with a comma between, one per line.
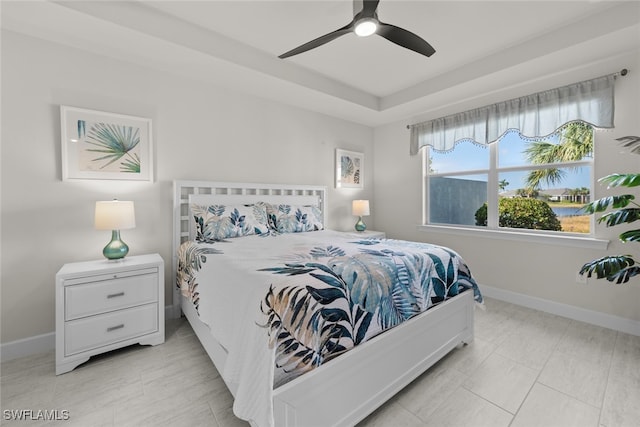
x=617, y=268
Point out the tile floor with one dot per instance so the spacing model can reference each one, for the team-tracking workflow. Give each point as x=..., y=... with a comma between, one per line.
x=525, y=368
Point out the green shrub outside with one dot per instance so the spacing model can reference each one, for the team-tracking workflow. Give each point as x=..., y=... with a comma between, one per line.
x=532, y=214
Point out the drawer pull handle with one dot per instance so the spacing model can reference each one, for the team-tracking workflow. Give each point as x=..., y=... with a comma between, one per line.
x=114, y=328
x=119, y=294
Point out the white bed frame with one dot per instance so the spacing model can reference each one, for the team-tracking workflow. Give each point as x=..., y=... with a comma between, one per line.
x=350, y=387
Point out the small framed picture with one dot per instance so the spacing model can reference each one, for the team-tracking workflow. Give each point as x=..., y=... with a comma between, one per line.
x=99, y=145
x=349, y=169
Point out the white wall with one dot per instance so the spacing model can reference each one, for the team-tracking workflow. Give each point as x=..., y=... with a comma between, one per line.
x=533, y=269
x=201, y=131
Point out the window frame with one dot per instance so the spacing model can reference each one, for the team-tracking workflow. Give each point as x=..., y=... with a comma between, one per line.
x=492, y=230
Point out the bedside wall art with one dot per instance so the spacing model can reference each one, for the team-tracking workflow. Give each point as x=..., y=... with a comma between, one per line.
x=100, y=145
x=349, y=169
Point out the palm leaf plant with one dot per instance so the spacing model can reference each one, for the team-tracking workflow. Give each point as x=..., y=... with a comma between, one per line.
x=576, y=143
x=114, y=142
x=347, y=168
x=617, y=268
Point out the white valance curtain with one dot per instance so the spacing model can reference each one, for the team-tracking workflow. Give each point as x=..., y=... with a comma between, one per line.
x=535, y=115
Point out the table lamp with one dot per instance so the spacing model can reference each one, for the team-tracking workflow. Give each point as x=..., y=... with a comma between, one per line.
x=115, y=215
x=360, y=208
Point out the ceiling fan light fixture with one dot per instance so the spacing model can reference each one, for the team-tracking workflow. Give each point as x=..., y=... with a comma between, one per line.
x=366, y=27
x=365, y=23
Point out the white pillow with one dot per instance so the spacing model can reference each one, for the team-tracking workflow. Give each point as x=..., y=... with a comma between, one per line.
x=294, y=218
x=218, y=222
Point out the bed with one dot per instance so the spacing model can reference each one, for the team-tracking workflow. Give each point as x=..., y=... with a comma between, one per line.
x=344, y=389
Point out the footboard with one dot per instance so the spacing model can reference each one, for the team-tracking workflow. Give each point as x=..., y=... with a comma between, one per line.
x=350, y=387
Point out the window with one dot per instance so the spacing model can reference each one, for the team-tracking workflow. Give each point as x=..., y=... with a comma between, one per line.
x=479, y=171
x=515, y=183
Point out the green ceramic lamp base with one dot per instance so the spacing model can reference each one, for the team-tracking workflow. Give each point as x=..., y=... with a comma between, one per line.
x=116, y=248
x=360, y=226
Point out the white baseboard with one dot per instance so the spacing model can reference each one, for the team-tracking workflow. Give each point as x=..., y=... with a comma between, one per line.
x=605, y=320
x=27, y=346
x=45, y=342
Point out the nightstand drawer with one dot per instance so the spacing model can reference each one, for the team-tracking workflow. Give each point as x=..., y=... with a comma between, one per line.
x=97, y=331
x=110, y=292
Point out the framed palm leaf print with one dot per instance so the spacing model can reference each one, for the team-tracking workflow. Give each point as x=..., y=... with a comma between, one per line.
x=349, y=169
x=100, y=145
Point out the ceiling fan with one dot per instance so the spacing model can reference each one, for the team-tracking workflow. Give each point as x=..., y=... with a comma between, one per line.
x=365, y=23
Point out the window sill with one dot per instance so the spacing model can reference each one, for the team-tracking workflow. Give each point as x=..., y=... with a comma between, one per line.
x=521, y=236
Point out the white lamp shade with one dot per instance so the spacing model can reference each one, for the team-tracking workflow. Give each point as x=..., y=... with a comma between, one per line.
x=115, y=215
x=360, y=208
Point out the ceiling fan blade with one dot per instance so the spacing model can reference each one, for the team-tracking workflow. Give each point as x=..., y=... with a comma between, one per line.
x=369, y=7
x=319, y=41
x=405, y=38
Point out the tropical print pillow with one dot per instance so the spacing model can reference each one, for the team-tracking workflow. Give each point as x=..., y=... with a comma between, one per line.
x=294, y=218
x=218, y=222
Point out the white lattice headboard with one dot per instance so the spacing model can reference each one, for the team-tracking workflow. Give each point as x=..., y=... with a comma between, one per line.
x=234, y=192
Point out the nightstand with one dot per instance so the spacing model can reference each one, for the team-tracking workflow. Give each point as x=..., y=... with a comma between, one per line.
x=366, y=234
x=104, y=305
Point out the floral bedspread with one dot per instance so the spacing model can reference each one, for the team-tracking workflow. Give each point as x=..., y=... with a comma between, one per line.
x=316, y=295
